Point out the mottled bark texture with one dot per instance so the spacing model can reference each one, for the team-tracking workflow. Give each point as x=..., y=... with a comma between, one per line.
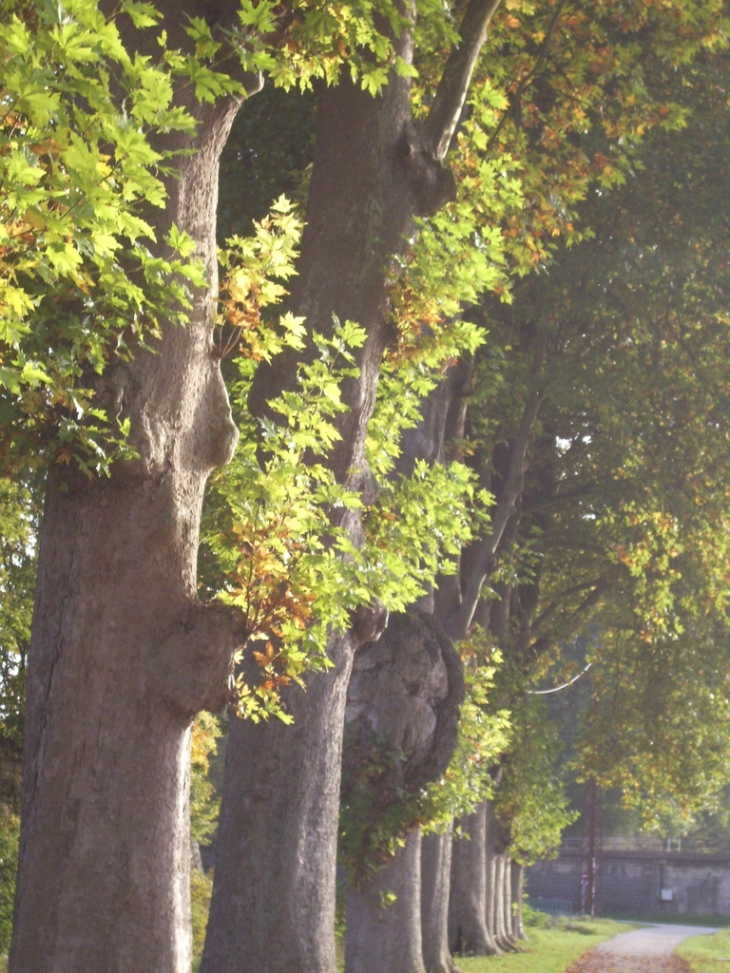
x=468, y=908
x=404, y=695
x=123, y=654
x=373, y=172
x=403, y=699
x=435, y=889
x=384, y=933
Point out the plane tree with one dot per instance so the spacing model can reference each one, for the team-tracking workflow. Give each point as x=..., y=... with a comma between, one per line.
x=267, y=758
x=110, y=366
x=604, y=536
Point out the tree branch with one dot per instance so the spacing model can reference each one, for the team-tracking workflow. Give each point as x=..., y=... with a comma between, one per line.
x=555, y=604
x=515, y=100
x=458, y=625
x=443, y=117
x=590, y=601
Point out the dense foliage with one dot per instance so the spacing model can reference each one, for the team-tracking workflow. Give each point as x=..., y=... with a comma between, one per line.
x=582, y=257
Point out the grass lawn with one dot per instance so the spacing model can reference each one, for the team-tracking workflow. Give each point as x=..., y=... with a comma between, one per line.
x=551, y=949
x=707, y=954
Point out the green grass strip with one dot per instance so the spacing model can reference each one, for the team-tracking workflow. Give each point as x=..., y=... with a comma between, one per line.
x=707, y=954
x=549, y=950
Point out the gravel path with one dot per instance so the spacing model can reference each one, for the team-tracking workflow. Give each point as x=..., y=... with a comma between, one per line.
x=646, y=950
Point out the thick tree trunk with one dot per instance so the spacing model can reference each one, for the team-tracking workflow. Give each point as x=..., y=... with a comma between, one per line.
x=517, y=873
x=374, y=170
x=123, y=654
x=276, y=855
x=435, y=888
x=369, y=179
x=385, y=934
x=468, y=905
x=404, y=694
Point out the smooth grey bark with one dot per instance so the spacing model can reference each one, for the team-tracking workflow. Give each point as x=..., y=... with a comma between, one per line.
x=517, y=873
x=385, y=935
x=490, y=856
x=123, y=654
x=468, y=904
x=498, y=884
x=435, y=891
x=503, y=903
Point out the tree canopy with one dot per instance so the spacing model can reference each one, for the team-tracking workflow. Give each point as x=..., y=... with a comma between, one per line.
x=544, y=204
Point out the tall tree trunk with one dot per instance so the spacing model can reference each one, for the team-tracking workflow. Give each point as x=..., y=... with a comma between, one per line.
x=468, y=905
x=497, y=876
x=404, y=694
x=490, y=870
x=374, y=171
x=275, y=861
x=123, y=654
x=435, y=888
x=361, y=202
x=503, y=903
x=517, y=879
x=384, y=934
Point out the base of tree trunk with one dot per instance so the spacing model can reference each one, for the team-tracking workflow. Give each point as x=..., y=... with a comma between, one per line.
x=273, y=905
x=435, y=888
x=384, y=916
x=470, y=934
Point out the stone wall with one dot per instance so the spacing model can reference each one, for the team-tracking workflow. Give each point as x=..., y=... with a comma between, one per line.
x=636, y=882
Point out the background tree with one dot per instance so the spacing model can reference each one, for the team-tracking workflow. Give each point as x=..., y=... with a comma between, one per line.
x=226, y=924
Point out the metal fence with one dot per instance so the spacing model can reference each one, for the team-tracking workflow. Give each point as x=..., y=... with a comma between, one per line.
x=554, y=907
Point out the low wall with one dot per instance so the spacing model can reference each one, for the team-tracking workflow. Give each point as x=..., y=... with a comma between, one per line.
x=637, y=882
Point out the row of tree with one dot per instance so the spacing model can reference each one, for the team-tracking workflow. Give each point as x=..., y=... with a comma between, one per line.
x=458, y=419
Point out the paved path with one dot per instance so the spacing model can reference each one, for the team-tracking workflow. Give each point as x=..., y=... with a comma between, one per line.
x=646, y=950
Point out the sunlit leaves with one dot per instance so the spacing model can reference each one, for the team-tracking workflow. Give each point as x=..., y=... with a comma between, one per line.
x=252, y=267
x=75, y=167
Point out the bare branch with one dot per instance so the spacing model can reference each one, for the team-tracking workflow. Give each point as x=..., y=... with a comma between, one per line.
x=453, y=87
x=556, y=689
x=575, y=622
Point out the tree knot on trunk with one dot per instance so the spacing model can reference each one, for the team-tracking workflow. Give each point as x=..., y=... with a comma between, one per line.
x=195, y=670
x=430, y=183
x=368, y=622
